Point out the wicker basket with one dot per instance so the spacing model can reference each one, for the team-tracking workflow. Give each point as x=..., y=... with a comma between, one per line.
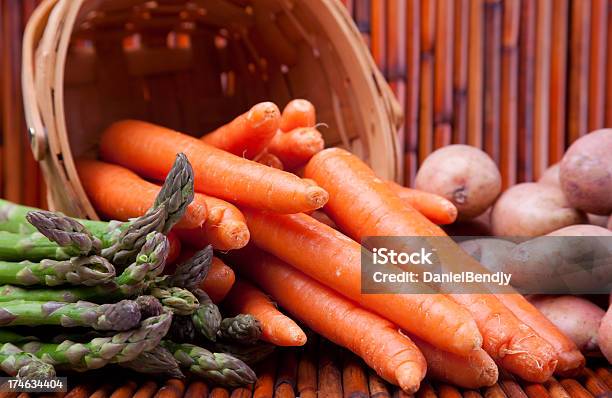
x=193, y=65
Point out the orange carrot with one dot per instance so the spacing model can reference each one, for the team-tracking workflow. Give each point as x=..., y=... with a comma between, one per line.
x=277, y=328
x=270, y=160
x=298, y=113
x=436, y=208
x=510, y=342
x=248, y=134
x=150, y=150
x=472, y=371
x=335, y=260
x=320, y=216
x=117, y=193
x=393, y=356
x=570, y=360
x=364, y=205
x=175, y=247
x=225, y=227
x=296, y=147
x=218, y=281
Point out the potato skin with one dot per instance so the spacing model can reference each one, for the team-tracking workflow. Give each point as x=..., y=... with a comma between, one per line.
x=582, y=230
x=463, y=174
x=532, y=209
x=551, y=175
x=586, y=172
x=604, y=335
x=578, y=318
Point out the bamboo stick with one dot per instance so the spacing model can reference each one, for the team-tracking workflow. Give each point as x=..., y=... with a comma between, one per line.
x=492, y=31
x=286, y=375
x=495, y=391
x=525, y=91
x=266, y=371
x=574, y=389
x=475, y=74
x=542, y=87
x=146, y=390
x=354, y=379
x=555, y=389
x=578, y=69
x=396, y=55
x=558, y=80
x=378, y=40
x=378, y=387
x=604, y=375
x=428, y=22
x=361, y=15
x=535, y=390
x=330, y=378
x=597, y=64
x=593, y=383
x=508, y=91
x=307, y=369
x=460, y=75
x=443, y=72
x=413, y=51
x=426, y=391
x=609, y=72
x=448, y=391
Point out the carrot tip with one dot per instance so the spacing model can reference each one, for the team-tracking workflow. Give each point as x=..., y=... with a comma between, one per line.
x=317, y=196
x=298, y=336
x=237, y=234
x=570, y=363
x=409, y=376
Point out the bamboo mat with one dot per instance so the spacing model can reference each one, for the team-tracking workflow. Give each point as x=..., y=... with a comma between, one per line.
x=325, y=372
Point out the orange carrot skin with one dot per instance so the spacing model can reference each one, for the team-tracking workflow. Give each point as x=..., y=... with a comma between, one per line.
x=335, y=260
x=358, y=200
x=392, y=355
x=225, y=227
x=511, y=343
x=150, y=151
x=298, y=113
x=270, y=160
x=218, y=281
x=277, y=328
x=175, y=248
x=119, y=194
x=248, y=134
x=436, y=208
x=321, y=217
x=296, y=147
x=475, y=370
x=570, y=359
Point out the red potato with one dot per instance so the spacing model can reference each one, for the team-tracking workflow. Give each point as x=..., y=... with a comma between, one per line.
x=604, y=335
x=530, y=209
x=551, y=175
x=582, y=230
x=577, y=318
x=600, y=221
x=610, y=223
x=464, y=175
x=492, y=253
x=586, y=173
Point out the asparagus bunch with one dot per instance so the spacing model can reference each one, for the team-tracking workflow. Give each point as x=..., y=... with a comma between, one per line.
x=159, y=361
x=243, y=329
x=218, y=368
x=122, y=347
x=207, y=317
x=179, y=300
x=23, y=365
x=123, y=315
x=88, y=270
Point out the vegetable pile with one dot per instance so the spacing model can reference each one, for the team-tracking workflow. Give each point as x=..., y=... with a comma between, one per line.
x=286, y=215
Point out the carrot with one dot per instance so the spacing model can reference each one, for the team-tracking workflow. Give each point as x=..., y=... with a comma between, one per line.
x=320, y=216
x=175, y=247
x=278, y=329
x=248, y=134
x=218, y=281
x=150, y=150
x=296, y=147
x=474, y=370
x=436, y=208
x=364, y=206
x=570, y=360
x=510, y=342
x=298, y=113
x=117, y=193
x=270, y=160
x=335, y=260
x=397, y=360
x=225, y=227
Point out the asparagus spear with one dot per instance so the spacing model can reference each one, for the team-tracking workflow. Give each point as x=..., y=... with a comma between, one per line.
x=221, y=369
x=33, y=247
x=9, y=336
x=65, y=231
x=149, y=306
x=123, y=315
x=243, y=328
x=159, y=361
x=248, y=353
x=190, y=274
x=88, y=271
x=23, y=365
x=182, y=329
x=180, y=301
x=121, y=347
x=207, y=317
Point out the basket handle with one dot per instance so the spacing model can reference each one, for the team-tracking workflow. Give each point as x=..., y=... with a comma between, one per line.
x=32, y=34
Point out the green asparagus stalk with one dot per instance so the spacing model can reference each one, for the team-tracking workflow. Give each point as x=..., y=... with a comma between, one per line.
x=23, y=365
x=123, y=315
x=190, y=274
x=207, y=317
x=222, y=369
x=121, y=347
x=150, y=261
x=243, y=329
x=159, y=361
x=32, y=247
x=180, y=301
x=247, y=353
x=65, y=231
x=88, y=271
x=9, y=336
